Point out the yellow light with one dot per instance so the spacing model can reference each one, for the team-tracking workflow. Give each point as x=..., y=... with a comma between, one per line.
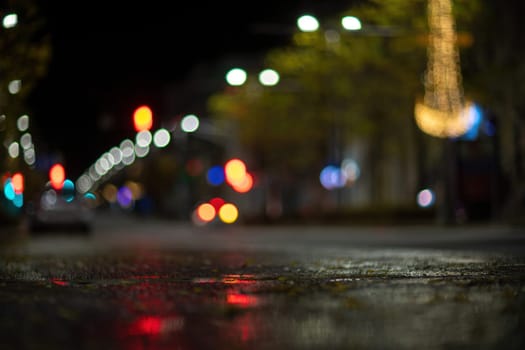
x=143, y=118
x=110, y=193
x=442, y=112
x=441, y=124
x=228, y=213
x=235, y=171
x=136, y=189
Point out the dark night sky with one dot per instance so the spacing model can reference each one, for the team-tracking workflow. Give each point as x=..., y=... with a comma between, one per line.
x=109, y=57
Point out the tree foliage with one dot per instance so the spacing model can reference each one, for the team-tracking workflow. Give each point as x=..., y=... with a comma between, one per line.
x=339, y=86
x=351, y=84
x=25, y=53
x=495, y=71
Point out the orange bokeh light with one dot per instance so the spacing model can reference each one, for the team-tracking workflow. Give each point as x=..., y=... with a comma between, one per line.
x=242, y=300
x=18, y=183
x=57, y=175
x=245, y=185
x=206, y=212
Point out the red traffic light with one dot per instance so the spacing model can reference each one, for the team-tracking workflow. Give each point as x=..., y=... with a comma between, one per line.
x=143, y=118
x=57, y=175
x=18, y=183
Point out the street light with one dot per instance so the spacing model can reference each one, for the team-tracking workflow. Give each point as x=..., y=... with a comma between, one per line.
x=10, y=20
x=269, y=77
x=307, y=23
x=351, y=23
x=238, y=76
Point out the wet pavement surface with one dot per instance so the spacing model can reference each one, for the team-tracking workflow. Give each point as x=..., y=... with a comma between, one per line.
x=156, y=286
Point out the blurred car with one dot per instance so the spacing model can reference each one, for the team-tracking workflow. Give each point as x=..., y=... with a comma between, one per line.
x=54, y=211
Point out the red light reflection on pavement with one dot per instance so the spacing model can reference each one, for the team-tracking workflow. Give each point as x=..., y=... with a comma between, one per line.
x=164, y=312
x=148, y=325
x=155, y=325
x=247, y=328
x=242, y=300
x=59, y=282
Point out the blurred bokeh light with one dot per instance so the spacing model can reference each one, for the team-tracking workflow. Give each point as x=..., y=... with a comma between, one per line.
x=236, y=77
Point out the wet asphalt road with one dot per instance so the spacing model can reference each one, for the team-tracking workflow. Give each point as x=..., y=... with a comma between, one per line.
x=149, y=284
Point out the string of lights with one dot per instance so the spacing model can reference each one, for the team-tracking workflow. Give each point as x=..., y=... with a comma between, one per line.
x=443, y=111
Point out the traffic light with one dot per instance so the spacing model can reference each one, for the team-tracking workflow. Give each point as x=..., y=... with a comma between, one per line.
x=18, y=183
x=57, y=175
x=143, y=118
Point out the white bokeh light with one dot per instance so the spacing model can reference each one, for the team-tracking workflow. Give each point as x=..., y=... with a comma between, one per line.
x=307, y=23
x=141, y=151
x=84, y=183
x=425, y=198
x=351, y=23
x=190, y=123
x=127, y=147
x=26, y=141
x=236, y=77
x=13, y=150
x=161, y=138
x=29, y=156
x=143, y=138
x=269, y=77
x=22, y=123
x=10, y=20
x=117, y=155
x=14, y=86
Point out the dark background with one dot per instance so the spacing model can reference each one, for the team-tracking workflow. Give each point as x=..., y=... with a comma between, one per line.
x=109, y=57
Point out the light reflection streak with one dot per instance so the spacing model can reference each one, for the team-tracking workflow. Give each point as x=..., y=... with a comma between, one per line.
x=59, y=282
x=242, y=300
x=155, y=325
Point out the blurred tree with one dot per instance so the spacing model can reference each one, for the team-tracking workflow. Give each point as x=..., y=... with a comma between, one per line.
x=336, y=86
x=495, y=71
x=25, y=52
x=339, y=86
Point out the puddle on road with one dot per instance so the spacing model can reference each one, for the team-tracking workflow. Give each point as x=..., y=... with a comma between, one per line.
x=236, y=301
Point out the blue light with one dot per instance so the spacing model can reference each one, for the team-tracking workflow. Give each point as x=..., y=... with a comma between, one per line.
x=477, y=116
x=489, y=128
x=9, y=190
x=18, y=201
x=90, y=196
x=125, y=197
x=215, y=175
x=68, y=190
x=332, y=177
